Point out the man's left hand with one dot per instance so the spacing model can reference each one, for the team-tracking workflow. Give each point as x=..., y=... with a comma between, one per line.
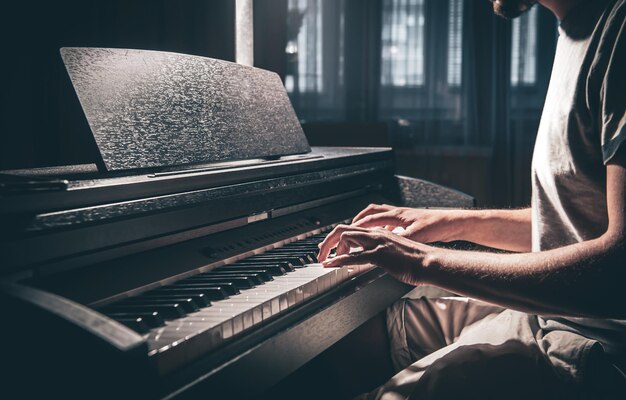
x=403, y=258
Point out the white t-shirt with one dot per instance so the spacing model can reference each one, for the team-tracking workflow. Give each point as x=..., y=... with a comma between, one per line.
x=582, y=126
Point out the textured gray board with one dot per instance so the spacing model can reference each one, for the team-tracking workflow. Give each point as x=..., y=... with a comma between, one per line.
x=149, y=109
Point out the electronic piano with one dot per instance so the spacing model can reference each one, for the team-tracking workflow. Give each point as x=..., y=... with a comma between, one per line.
x=182, y=263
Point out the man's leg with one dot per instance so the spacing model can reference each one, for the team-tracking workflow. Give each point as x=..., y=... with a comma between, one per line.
x=419, y=327
x=503, y=355
x=371, y=354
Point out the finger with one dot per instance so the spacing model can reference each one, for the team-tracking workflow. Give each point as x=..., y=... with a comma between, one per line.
x=331, y=240
x=356, y=239
x=372, y=209
x=360, y=258
x=378, y=220
x=346, y=245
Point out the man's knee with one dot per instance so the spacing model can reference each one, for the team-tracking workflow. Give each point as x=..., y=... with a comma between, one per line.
x=511, y=370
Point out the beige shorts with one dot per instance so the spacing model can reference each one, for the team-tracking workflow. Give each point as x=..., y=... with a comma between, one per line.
x=459, y=348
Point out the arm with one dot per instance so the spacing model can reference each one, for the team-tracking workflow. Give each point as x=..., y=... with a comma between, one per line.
x=583, y=279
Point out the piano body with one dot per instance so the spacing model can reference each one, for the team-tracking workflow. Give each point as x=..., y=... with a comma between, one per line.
x=161, y=273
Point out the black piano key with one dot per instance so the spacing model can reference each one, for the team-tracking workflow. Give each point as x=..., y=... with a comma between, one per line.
x=152, y=319
x=253, y=279
x=200, y=299
x=294, y=248
x=293, y=261
x=230, y=288
x=213, y=292
x=283, y=264
x=274, y=270
x=168, y=311
x=301, y=248
x=137, y=324
x=262, y=273
x=187, y=303
x=306, y=256
x=296, y=245
x=238, y=282
x=286, y=252
x=217, y=273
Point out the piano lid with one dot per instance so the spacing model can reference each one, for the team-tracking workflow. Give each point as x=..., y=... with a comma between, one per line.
x=150, y=109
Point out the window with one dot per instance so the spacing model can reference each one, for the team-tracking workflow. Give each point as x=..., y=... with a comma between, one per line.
x=314, y=54
x=524, y=49
x=305, y=47
x=421, y=94
x=455, y=42
x=407, y=64
x=402, y=58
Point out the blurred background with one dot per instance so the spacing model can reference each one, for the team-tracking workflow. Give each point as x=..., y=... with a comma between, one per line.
x=456, y=91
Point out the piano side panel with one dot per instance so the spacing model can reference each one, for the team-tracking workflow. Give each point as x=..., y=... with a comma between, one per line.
x=53, y=347
x=413, y=192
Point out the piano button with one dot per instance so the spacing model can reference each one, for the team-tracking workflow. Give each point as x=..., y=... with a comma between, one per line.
x=229, y=287
x=137, y=324
x=152, y=319
x=211, y=293
x=199, y=300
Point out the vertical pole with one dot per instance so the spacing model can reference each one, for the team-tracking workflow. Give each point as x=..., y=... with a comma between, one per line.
x=244, y=32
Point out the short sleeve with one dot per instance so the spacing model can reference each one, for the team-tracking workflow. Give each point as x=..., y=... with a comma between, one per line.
x=613, y=129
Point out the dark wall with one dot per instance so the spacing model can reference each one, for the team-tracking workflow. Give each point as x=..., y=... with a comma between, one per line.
x=41, y=123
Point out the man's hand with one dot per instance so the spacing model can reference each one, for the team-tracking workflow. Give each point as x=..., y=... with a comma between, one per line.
x=402, y=258
x=419, y=224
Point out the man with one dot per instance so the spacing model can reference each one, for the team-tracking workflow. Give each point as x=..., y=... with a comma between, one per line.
x=548, y=319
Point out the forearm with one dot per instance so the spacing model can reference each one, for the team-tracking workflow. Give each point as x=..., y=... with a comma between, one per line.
x=501, y=229
x=583, y=279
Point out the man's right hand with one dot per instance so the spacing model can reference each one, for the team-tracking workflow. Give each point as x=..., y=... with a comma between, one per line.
x=418, y=224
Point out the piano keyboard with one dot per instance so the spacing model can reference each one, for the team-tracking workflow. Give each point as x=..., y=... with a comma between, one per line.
x=200, y=313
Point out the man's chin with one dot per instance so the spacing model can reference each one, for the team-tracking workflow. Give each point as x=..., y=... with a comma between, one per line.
x=512, y=8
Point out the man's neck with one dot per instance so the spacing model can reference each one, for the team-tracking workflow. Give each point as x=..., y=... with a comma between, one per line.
x=560, y=8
